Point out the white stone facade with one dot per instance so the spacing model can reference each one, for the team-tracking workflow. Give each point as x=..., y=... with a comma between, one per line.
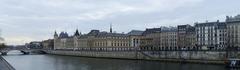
x=211, y=35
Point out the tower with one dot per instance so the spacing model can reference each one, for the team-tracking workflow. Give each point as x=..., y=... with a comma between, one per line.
x=55, y=40
x=75, y=39
x=77, y=33
x=55, y=34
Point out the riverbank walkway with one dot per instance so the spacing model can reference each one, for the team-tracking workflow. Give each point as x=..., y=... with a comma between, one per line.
x=4, y=65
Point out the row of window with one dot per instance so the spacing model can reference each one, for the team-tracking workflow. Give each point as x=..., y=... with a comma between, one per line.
x=112, y=44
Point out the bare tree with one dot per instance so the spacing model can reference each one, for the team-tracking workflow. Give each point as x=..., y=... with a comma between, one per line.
x=2, y=46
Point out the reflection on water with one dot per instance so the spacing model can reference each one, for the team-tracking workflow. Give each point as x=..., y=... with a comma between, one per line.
x=54, y=62
x=14, y=52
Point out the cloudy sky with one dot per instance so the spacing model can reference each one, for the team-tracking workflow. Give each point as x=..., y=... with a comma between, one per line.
x=22, y=21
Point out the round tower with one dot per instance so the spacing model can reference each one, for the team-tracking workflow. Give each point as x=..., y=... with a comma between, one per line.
x=55, y=35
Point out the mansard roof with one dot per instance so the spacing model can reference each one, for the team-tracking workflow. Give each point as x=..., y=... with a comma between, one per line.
x=159, y=30
x=135, y=32
x=106, y=34
x=184, y=26
x=83, y=36
x=151, y=30
x=63, y=35
x=97, y=33
x=93, y=32
x=233, y=19
x=209, y=24
x=168, y=29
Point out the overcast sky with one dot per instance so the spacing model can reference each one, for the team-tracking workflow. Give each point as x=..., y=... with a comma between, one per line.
x=22, y=21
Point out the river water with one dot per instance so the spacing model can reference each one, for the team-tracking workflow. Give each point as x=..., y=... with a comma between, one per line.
x=55, y=62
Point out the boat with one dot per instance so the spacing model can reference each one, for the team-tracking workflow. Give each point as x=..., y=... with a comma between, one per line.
x=232, y=63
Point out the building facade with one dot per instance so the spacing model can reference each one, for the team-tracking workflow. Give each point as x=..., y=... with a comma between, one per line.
x=93, y=40
x=165, y=38
x=135, y=37
x=233, y=31
x=207, y=35
x=186, y=36
x=211, y=35
x=34, y=45
x=63, y=41
x=147, y=42
x=111, y=40
x=48, y=44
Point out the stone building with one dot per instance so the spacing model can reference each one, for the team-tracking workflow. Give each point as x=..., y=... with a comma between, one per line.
x=233, y=30
x=34, y=45
x=63, y=41
x=186, y=36
x=167, y=38
x=93, y=40
x=211, y=35
x=164, y=38
x=105, y=39
x=48, y=44
x=147, y=42
x=135, y=38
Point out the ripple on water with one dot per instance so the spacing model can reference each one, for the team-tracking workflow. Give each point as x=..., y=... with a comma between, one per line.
x=54, y=62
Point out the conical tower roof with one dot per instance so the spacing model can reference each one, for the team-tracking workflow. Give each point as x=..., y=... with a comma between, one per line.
x=55, y=33
x=77, y=33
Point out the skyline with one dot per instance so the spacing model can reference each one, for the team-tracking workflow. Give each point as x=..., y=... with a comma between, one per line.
x=37, y=20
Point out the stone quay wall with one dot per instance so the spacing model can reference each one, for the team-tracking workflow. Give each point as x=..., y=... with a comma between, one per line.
x=215, y=57
x=4, y=65
x=103, y=54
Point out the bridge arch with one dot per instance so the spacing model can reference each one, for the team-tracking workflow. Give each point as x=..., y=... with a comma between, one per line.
x=5, y=52
x=24, y=51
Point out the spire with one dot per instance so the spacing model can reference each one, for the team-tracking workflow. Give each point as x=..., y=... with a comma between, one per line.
x=76, y=33
x=111, y=28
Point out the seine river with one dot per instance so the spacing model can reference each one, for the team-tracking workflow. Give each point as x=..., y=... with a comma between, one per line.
x=54, y=62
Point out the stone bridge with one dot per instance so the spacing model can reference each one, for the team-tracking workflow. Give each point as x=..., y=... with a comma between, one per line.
x=23, y=50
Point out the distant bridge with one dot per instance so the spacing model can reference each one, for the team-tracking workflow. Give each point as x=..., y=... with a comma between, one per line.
x=22, y=49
